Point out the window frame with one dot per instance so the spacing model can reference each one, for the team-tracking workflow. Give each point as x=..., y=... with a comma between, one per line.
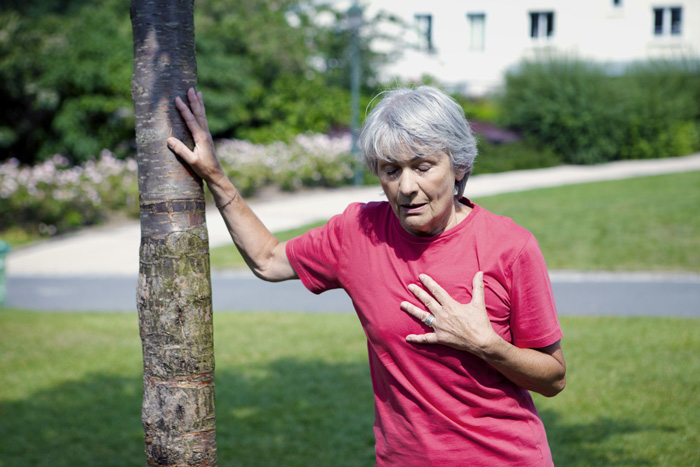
x=542, y=24
x=475, y=19
x=667, y=20
x=424, y=28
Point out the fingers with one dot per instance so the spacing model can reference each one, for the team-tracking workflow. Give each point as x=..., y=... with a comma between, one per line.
x=424, y=297
x=197, y=105
x=439, y=296
x=478, y=288
x=187, y=115
x=194, y=114
x=434, y=288
x=420, y=314
x=456, y=318
x=414, y=311
x=180, y=149
x=428, y=338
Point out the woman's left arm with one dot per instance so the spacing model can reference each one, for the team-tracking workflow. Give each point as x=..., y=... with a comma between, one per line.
x=467, y=327
x=541, y=370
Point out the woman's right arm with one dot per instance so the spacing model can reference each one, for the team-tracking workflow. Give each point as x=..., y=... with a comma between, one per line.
x=264, y=254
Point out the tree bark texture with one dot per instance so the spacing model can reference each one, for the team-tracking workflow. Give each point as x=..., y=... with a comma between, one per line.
x=174, y=286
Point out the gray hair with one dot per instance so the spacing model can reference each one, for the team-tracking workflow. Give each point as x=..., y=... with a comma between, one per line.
x=422, y=121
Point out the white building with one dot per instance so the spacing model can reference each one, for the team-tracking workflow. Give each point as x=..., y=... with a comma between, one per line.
x=468, y=45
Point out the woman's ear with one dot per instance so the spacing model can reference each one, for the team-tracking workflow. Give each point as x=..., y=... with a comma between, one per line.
x=461, y=182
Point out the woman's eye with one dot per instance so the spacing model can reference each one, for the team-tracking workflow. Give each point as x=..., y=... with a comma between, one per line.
x=423, y=168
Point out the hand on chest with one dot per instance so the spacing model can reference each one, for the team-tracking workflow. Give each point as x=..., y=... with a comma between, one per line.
x=379, y=291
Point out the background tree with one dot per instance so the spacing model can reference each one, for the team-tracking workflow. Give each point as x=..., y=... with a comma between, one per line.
x=270, y=72
x=64, y=74
x=174, y=287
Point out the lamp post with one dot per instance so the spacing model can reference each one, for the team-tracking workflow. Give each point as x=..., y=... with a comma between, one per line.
x=354, y=23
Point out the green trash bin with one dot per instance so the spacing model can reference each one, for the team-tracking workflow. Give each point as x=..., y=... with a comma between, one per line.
x=4, y=250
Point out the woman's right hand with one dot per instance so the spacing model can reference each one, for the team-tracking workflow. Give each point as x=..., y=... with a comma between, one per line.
x=203, y=158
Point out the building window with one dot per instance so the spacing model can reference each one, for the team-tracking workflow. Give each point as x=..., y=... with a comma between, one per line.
x=668, y=21
x=658, y=21
x=477, y=31
x=676, y=16
x=541, y=24
x=424, y=23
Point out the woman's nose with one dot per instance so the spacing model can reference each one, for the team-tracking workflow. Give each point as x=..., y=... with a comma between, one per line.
x=407, y=183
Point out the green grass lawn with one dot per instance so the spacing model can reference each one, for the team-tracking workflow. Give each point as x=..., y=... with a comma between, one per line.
x=294, y=390
x=646, y=223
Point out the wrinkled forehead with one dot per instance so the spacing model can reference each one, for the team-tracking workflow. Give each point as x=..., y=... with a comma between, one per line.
x=395, y=146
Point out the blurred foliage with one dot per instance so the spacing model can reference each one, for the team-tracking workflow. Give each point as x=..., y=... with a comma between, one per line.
x=273, y=69
x=587, y=116
x=54, y=197
x=519, y=155
x=662, y=109
x=309, y=160
x=267, y=72
x=64, y=79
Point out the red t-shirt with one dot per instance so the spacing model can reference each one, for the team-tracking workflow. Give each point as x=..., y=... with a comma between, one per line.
x=435, y=405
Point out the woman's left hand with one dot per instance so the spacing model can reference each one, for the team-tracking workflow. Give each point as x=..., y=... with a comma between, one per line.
x=467, y=327
x=461, y=326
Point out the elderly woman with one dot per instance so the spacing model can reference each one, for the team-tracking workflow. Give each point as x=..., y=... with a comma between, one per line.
x=455, y=301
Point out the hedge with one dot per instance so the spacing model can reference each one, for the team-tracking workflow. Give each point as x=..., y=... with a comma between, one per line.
x=588, y=115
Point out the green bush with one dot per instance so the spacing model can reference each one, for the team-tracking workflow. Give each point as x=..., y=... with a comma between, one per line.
x=519, y=155
x=267, y=71
x=588, y=116
x=64, y=73
x=662, y=109
x=485, y=109
x=565, y=104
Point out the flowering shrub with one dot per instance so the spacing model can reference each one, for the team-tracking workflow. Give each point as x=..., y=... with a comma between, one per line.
x=309, y=160
x=53, y=197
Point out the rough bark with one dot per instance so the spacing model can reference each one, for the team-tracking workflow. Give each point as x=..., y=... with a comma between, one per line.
x=174, y=286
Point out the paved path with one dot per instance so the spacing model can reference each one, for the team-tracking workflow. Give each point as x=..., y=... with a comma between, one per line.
x=103, y=262
x=575, y=293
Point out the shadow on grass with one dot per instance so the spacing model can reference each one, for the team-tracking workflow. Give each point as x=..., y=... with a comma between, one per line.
x=586, y=444
x=94, y=421
x=290, y=413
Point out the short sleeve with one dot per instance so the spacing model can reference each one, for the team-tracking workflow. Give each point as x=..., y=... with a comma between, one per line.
x=315, y=256
x=533, y=319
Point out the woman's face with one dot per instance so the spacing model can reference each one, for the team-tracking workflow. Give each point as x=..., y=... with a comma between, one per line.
x=421, y=192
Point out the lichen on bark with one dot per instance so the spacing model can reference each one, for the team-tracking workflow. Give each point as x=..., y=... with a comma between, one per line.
x=175, y=316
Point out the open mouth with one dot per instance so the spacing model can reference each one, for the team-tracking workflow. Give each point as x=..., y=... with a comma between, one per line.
x=412, y=208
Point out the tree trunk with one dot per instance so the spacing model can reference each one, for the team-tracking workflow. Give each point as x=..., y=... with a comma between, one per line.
x=174, y=287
